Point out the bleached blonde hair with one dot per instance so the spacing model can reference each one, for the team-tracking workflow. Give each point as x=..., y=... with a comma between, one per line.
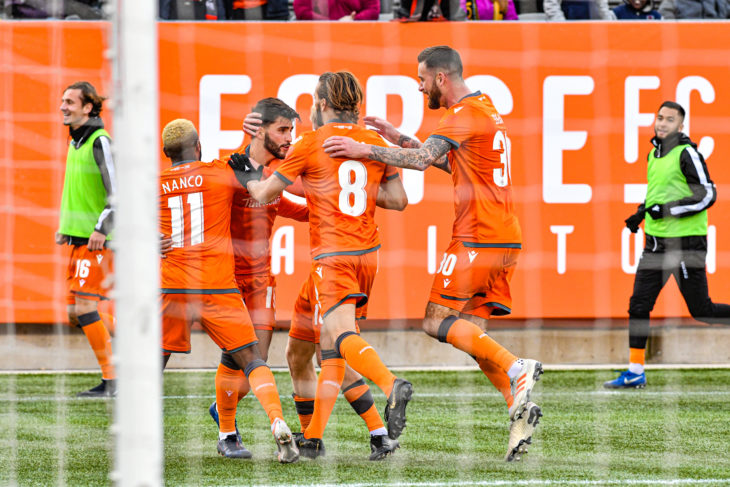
x=178, y=135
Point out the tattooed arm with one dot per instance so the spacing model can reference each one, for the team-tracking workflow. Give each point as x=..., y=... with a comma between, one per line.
x=386, y=130
x=430, y=152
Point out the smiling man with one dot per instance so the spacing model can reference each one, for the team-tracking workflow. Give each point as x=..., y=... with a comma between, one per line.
x=86, y=219
x=678, y=194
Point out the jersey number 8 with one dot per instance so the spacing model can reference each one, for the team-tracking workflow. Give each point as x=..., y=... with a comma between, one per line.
x=353, y=176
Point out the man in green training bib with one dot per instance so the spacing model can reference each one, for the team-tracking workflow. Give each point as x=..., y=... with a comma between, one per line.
x=678, y=194
x=86, y=219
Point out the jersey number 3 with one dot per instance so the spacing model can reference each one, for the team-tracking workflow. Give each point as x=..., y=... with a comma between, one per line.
x=353, y=176
x=177, y=219
x=503, y=175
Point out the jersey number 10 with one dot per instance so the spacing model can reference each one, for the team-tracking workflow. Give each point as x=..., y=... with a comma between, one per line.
x=177, y=219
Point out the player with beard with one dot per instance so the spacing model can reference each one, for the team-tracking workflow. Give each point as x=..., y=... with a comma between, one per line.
x=303, y=342
x=341, y=196
x=251, y=228
x=197, y=274
x=472, y=282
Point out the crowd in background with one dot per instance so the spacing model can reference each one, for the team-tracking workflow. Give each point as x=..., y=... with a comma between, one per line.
x=396, y=10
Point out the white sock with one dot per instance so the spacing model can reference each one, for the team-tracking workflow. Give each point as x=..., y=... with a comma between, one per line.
x=223, y=436
x=379, y=432
x=515, y=368
x=636, y=368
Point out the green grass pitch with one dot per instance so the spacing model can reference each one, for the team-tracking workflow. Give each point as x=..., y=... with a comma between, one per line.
x=675, y=432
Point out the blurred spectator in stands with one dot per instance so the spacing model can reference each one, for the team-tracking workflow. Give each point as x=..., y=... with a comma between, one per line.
x=257, y=9
x=637, y=10
x=430, y=10
x=489, y=9
x=577, y=10
x=58, y=9
x=343, y=10
x=192, y=10
x=695, y=9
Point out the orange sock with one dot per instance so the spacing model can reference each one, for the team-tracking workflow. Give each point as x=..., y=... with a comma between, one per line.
x=328, y=388
x=100, y=341
x=110, y=322
x=498, y=378
x=305, y=408
x=364, y=360
x=263, y=386
x=230, y=386
x=361, y=399
x=469, y=338
x=636, y=356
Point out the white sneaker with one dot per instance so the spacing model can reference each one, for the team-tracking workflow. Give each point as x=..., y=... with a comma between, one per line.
x=288, y=451
x=520, y=432
x=521, y=387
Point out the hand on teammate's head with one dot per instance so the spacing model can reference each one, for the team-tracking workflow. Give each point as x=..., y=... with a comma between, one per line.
x=252, y=123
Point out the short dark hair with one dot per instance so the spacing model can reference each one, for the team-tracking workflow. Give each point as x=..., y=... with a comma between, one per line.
x=343, y=93
x=442, y=57
x=88, y=95
x=271, y=109
x=674, y=105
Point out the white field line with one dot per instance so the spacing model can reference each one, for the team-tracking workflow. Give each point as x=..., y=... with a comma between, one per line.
x=417, y=395
x=444, y=368
x=536, y=482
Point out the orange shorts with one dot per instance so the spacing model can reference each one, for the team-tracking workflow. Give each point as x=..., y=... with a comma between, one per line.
x=89, y=274
x=259, y=294
x=475, y=280
x=223, y=317
x=332, y=281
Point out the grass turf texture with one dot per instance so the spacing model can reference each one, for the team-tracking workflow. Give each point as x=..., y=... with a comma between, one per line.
x=676, y=429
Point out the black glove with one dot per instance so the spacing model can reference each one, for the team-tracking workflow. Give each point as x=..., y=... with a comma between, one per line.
x=243, y=169
x=633, y=222
x=657, y=212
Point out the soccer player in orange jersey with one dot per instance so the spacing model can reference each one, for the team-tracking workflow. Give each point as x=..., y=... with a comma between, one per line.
x=341, y=196
x=303, y=341
x=198, y=282
x=472, y=282
x=251, y=228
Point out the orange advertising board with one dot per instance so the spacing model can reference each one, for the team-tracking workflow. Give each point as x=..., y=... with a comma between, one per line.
x=578, y=100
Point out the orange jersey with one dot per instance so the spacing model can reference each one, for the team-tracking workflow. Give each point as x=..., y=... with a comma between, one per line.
x=480, y=170
x=252, y=223
x=195, y=210
x=340, y=193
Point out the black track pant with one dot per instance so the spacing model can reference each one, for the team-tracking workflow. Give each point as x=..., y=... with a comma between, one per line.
x=683, y=258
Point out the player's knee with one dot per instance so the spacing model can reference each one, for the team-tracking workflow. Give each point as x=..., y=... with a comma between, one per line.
x=298, y=355
x=702, y=311
x=84, y=306
x=431, y=326
x=227, y=360
x=639, y=309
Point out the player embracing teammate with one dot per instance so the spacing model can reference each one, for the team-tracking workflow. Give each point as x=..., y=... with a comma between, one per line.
x=472, y=282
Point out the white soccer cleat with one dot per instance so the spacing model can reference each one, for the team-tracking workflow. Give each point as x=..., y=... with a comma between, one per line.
x=520, y=432
x=288, y=451
x=521, y=386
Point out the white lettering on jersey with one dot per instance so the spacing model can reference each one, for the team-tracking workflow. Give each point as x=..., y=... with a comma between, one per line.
x=447, y=282
x=472, y=255
x=99, y=258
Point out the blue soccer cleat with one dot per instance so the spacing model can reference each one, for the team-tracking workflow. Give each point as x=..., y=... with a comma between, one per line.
x=627, y=380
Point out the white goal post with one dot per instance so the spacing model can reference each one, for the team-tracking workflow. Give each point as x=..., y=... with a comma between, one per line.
x=138, y=413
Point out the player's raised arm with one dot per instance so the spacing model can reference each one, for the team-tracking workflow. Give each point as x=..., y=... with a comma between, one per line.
x=432, y=151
